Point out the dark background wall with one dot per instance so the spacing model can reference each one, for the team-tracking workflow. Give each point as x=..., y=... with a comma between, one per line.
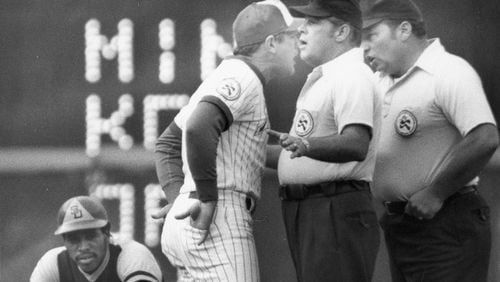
x=42, y=112
x=43, y=87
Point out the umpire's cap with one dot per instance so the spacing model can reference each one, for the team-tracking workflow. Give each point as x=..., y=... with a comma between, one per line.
x=81, y=212
x=346, y=10
x=261, y=19
x=391, y=10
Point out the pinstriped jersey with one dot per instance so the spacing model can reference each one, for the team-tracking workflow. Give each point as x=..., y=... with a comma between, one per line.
x=241, y=151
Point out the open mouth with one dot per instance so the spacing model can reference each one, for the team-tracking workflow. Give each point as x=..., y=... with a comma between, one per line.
x=302, y=43
x=371, y=61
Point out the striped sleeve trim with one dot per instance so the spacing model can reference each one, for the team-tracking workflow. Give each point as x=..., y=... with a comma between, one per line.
x=222, y=106
x=140, y=275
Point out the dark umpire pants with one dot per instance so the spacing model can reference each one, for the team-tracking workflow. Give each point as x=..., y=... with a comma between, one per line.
x=453, y=246
x=332, y=231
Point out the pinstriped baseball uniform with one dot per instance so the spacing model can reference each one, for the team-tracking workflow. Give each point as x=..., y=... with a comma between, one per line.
x=242, y=148
x=229, y=252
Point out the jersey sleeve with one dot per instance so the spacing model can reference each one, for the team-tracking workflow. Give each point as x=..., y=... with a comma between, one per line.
x=202, y=137
x=46, y=270
x=462, y=99
x=354, y=101
x=137, y=263
x=237, y=86
x=168, y=159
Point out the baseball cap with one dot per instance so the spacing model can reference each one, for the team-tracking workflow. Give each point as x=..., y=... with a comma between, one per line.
x=81, y=212
x=346, y=10
x=261, y=19
x=393, y=10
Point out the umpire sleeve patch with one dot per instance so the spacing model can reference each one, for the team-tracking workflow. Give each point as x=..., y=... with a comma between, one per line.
x=229, y=89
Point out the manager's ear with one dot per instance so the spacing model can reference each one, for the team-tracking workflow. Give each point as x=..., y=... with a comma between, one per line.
x=270, y=43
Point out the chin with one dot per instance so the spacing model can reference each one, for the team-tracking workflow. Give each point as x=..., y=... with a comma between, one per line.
x=304, y=56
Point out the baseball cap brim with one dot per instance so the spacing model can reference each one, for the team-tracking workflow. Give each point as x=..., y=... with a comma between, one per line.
x=295, y=23
x=80, y=225
x=308, y=11
x=371, y=22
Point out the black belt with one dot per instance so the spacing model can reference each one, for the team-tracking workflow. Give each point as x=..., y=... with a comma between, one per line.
x=398, y=207
x=249, y=201
x=294, y=192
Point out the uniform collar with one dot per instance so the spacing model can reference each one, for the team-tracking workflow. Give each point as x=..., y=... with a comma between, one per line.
x=428, y=59
x=95, y=275
x=247, y=61
x=354, y=55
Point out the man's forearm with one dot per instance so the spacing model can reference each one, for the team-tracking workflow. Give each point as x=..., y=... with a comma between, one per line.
x=465, y=161
x=351, y=145
x=203, y=131
x=168, y=161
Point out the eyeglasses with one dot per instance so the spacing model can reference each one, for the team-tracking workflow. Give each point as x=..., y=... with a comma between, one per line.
x=290, y=33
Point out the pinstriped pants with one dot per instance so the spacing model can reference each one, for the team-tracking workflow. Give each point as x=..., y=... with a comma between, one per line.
x=228, y=254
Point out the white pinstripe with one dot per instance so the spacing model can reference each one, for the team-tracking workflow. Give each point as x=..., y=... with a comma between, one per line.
x=241, y=152
x=229, y=252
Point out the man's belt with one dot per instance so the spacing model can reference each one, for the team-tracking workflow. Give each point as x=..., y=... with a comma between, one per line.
x=249, y=201
x=294, y=192
x=398, y=207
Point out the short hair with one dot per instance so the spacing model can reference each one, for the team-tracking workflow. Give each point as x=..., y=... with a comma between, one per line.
x=107, y=229
x=247, y=50
x=251, y=49
x=355, y=33
x=417, y=27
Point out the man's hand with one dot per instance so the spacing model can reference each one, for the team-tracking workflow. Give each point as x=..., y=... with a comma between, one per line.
x=201, y=214
x=423, y=204
x=162, y=213
x=293, y=144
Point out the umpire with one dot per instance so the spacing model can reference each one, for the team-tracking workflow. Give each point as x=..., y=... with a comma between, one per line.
x=328, y=159
x=438, y=133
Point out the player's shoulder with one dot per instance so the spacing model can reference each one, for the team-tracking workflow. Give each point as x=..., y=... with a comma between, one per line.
x=132, y=246
x=137, y=262
x=235, y=69
x=234, y=78
x=46, y=268
x=135, y=251
x=51, y=255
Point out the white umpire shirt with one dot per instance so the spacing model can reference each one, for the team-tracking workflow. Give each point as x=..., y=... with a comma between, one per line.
x=345, y=94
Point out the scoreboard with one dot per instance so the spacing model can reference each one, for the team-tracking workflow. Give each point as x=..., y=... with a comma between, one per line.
x=78, y=73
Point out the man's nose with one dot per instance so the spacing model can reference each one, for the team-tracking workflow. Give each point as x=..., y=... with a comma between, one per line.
x=365, y=46
x=83, y=244
x=301, y=28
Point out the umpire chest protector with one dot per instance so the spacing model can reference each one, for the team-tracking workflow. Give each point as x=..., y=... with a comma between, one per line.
x=69, y=272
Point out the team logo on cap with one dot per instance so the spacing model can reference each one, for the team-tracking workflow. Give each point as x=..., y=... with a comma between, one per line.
x=76, y=212
x=229, y=89
x=406, y=123
x=305, y=123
